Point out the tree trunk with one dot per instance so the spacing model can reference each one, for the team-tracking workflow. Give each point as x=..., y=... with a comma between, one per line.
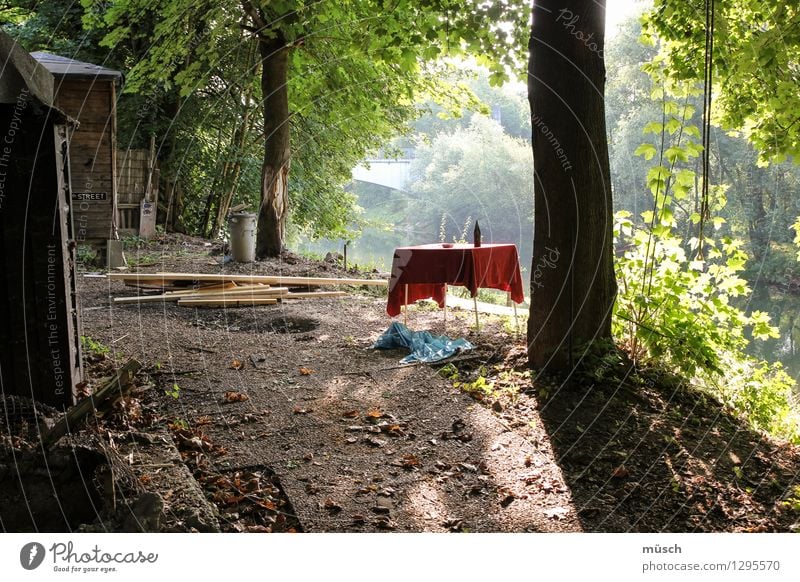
x=572, y=275
x=275, y=171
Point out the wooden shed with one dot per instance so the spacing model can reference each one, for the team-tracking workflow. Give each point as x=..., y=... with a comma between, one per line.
x=87, y=93
x=39, y=321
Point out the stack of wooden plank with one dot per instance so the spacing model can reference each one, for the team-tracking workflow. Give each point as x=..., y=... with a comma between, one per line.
x=210, y=290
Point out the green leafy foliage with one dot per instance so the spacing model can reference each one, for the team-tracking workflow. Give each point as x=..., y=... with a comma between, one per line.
x=755, y=64
x=677, y=307
x=478, y=173
x=174, y=391
x=89, y=344
x=355, y=73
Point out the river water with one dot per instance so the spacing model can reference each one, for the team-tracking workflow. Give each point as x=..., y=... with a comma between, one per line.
x=784, y=309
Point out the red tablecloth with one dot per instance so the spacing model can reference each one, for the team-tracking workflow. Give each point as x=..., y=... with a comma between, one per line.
x=427, y=268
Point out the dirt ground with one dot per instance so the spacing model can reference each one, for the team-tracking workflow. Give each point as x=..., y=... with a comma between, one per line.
x=281, y=418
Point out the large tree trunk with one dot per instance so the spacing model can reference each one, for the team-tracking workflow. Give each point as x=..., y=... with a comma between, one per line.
x=275, y=172
x=572, y=275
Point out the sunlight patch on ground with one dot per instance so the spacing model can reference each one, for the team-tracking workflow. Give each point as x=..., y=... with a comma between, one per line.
x=531, y=487
x=426, y=506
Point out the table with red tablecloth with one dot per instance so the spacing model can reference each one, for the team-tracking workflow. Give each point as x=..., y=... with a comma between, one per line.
x=421, y=272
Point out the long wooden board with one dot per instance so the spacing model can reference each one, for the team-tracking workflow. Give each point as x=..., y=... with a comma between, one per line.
x=225, y=302
x=206, y=289
x=314, y=294
x=168, y=278
x=267, y=292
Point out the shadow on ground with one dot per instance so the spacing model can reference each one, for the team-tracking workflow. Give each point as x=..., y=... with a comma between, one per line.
x=656, y=456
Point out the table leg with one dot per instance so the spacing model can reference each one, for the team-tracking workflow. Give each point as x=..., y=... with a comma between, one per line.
x=405, y=307
x=516, y=320
x=477, y=322
x=445, y=308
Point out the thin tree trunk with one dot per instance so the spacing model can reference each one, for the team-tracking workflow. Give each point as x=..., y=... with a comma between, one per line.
x=177, y=210
x=228, y=186
x=572, y=277
x=275, y=172
x=222, y=210
x=207, y=226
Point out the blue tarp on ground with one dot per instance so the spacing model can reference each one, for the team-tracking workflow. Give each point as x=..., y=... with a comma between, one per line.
x=424, y=347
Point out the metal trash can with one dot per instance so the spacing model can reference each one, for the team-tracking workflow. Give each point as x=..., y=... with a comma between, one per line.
x=243, y=236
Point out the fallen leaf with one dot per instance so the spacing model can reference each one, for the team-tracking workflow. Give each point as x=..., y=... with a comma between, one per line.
x=350, y=414
x=331, y=506
x=232, y=396
x=305, y=371
x=394, y=430
x=378, y=443
x=203, y=420
x=410, y=461
x=83, y=389
x=237, y=364
x=374, y=414
x=269, y=505
x=620, y=472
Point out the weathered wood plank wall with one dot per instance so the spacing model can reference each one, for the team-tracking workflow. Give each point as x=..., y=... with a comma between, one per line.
x=39, y=322
x=92, y=155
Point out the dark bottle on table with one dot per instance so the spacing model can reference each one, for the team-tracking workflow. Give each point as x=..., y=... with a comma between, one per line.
x=476, y=235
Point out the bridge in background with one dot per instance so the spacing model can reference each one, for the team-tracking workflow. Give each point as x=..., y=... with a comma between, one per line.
x=389, y=172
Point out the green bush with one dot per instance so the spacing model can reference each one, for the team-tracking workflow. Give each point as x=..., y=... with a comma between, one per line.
x=677, y=313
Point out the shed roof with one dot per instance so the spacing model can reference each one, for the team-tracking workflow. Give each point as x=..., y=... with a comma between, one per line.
x=20, y=70
x=63, y=67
